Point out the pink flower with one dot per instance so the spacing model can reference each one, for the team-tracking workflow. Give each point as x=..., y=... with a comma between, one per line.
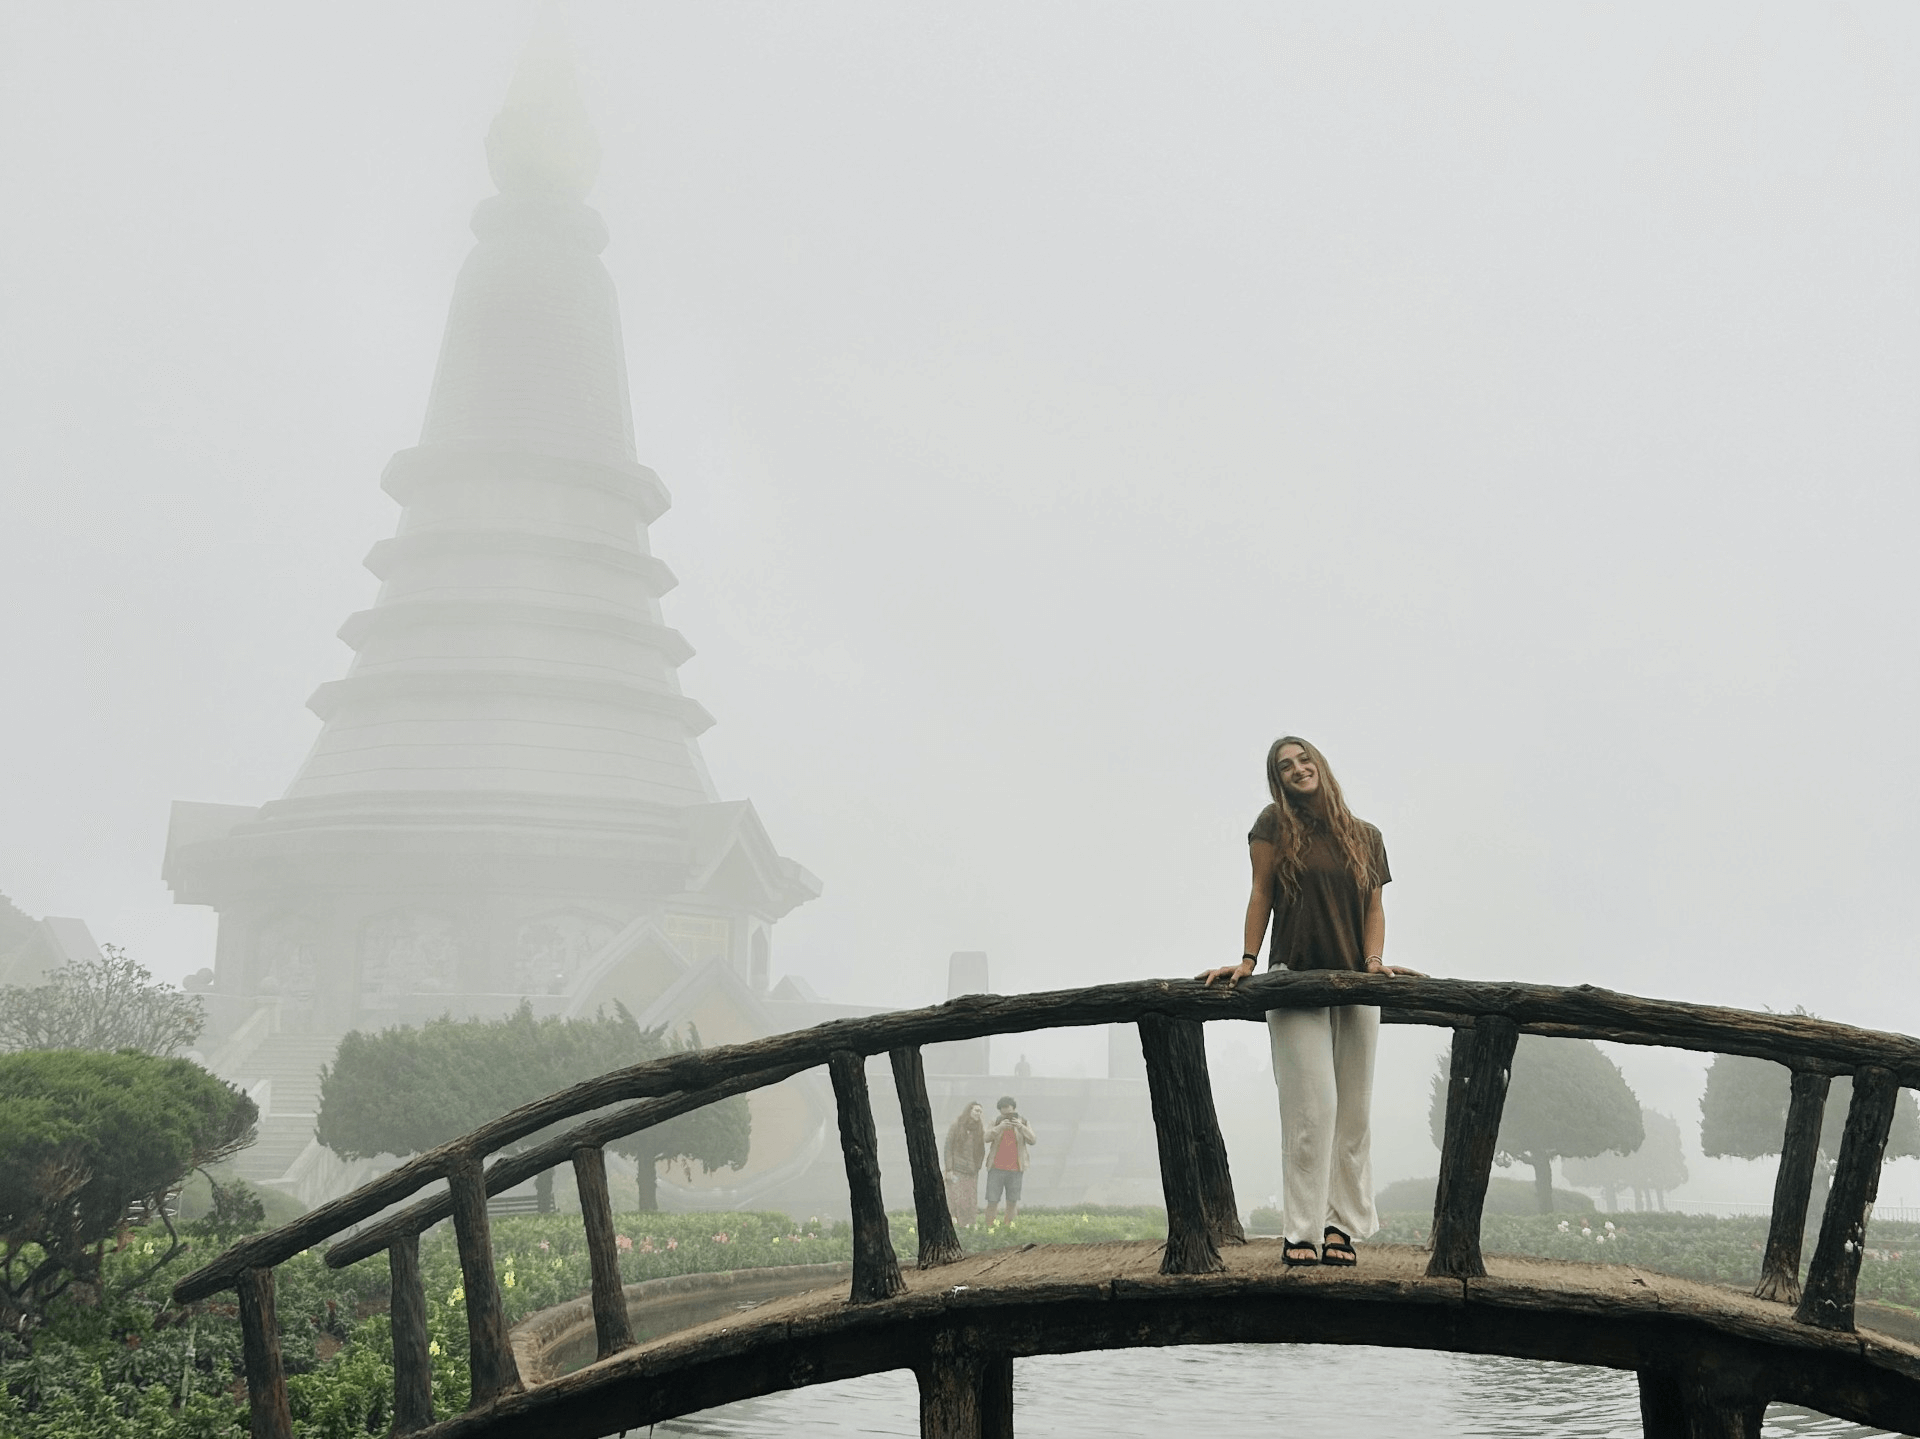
x=719, y=1239
x=673, y=1244
x=622, y=1243
x=646, y=1245
x=543, y=1246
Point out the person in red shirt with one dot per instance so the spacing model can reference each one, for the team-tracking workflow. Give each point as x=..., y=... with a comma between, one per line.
x=1007, y=1140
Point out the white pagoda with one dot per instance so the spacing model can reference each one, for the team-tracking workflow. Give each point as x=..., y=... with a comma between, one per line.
x=507, y=799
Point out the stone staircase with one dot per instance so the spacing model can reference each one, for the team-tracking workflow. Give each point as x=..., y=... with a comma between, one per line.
x=283, y=1075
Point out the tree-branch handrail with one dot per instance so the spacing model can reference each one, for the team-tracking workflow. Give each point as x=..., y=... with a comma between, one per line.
x=504, y=1174
x=1804, y=1043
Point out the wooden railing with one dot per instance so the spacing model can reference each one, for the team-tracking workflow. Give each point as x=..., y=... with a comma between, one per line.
x=1487, y=1020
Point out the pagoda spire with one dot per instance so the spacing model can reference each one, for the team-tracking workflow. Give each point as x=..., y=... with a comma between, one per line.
x=532, y=359
x=506, y=797
x=542, y=143
x=517, y=644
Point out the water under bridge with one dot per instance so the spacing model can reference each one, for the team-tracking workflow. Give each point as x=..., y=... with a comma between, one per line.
x=1709, y=1359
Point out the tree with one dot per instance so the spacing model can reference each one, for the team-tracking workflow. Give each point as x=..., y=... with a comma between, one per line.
x=234, y=1210
x=1743, y=1115
x=106, y=1003
x=718, y=1137
x=92, y=1142
x=404, y=1090
x=1565, y=1100
x=1656, y=1167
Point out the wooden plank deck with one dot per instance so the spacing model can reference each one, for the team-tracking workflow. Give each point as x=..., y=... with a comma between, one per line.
x=1065, y=1298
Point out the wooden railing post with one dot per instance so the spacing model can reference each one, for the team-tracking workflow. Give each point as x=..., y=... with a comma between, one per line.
x=1209, y=1145
x=268, y=1414
x=1707, y=1392
x=489, y=1352
x=407, y=1315
x=1792, y=1184
x=1703, y=1393
x=1190, y=1243
x=876, y=1272
x=996, y=1397
x=1712, y=1416
x=1663, y=1412
x=1476, y=1093
x=612, y=1330
x=965, y=1394
x=938, y=1243
x=1827, y=1302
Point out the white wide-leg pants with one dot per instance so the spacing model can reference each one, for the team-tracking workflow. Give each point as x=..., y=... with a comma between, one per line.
x=1323, y=1068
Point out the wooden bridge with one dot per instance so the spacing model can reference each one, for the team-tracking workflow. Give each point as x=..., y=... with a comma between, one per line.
x=1709, y=1360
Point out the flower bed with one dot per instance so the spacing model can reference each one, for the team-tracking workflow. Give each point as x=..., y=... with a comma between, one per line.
x=134, y=1367
x=1710, y=1248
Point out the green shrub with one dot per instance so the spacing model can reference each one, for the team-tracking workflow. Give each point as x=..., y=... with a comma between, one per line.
x=1504, y=1196
x=406, y=1089
x=194, y=1202
x=89, y=1144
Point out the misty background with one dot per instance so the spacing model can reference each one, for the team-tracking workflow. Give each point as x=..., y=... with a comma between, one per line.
x=1059, y=403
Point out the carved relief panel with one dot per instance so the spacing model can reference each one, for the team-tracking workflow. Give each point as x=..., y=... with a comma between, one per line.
x=553, y=950
x=286, y=959
x=409, y=951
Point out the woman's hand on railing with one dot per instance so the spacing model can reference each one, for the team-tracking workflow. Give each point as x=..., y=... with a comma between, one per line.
x=1231, y=973
x=1380, y=966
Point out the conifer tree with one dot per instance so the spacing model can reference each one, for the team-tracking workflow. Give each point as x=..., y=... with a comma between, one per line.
x=1565, y=1100
x=1658, y=1166
x=1743, y=1115
x=406, y=1089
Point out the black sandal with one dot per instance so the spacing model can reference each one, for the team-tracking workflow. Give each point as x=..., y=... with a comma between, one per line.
x=1337, y=1249
x=1290, y=1246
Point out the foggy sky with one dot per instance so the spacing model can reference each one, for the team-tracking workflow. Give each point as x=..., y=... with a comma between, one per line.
x=1059, y=402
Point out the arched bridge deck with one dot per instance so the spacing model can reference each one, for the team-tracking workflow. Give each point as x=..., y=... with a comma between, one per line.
x=1708, y=1360
x=983, y=1311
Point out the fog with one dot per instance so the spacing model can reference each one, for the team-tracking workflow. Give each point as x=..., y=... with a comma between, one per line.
x=1058, y=403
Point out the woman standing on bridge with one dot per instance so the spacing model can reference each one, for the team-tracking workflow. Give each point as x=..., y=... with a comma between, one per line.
x=1318, y=872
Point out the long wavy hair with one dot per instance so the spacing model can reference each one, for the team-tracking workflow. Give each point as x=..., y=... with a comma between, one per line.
x=969, y=1129
x=1297, y=821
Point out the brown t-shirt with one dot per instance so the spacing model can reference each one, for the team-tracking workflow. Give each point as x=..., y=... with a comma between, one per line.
x=1318, y=923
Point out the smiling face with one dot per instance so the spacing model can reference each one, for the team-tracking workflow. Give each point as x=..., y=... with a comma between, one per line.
x=1297, y=772
x=976, y=1113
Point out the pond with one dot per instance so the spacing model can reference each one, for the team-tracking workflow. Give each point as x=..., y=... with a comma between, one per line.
x=1245, y=1389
